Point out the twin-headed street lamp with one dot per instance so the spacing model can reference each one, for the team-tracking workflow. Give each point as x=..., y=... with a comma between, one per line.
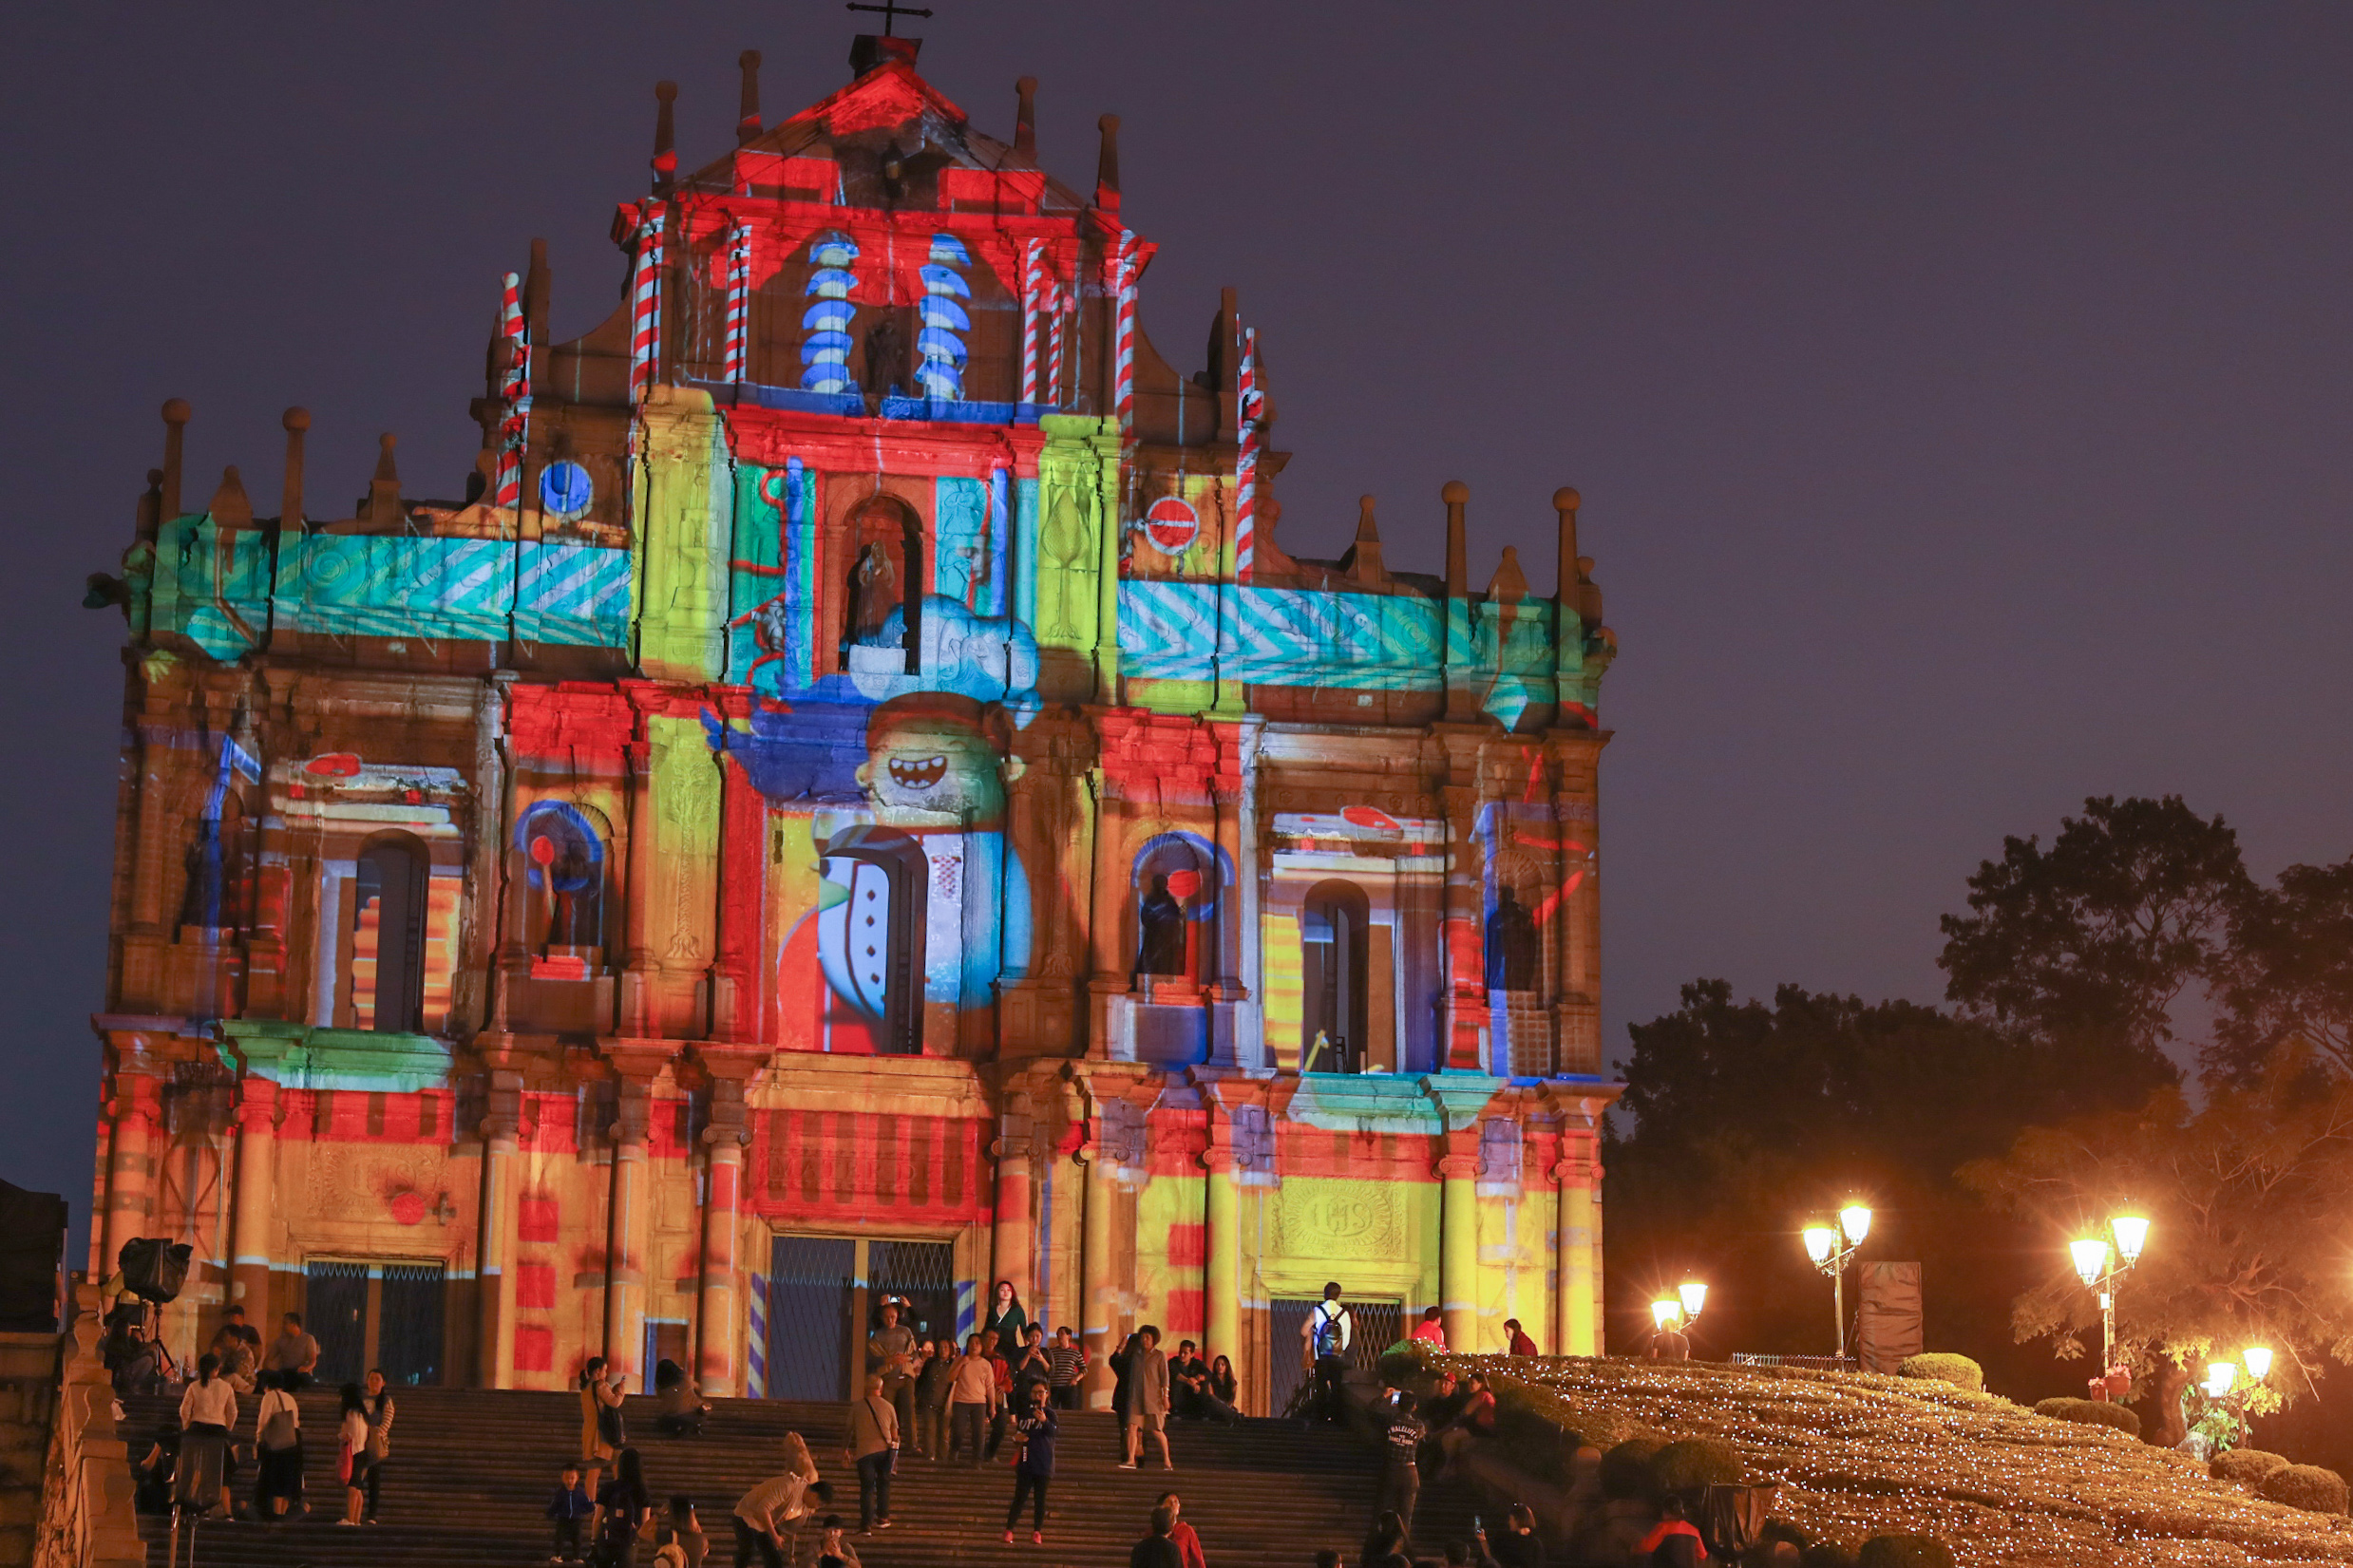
x=2099, y=1265
x=1671, y=1314
x=1833, y=1246
x=2221, y=1376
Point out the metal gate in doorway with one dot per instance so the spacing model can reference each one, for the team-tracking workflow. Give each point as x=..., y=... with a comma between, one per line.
x=385, y=1315
x=1377, y=1325
x=825, y=1295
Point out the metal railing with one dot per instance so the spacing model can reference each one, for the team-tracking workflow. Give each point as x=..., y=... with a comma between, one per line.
x=1808, y=1363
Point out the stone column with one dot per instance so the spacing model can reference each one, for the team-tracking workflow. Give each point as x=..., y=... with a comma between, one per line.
x=1014, y=1247
x=637, y=1019
x=257, y=1175
x=625, y=1245
x=717, y=1307
x=1098, y=1304
x=1221, y=1239
x=130, y=1165
x=494, y=1274
x=1466, y=1011
x=1575, y=1329
x=1458, y=1240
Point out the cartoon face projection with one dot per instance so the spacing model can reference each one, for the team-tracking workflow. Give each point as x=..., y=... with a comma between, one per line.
x=927, y=902
x=932, y=756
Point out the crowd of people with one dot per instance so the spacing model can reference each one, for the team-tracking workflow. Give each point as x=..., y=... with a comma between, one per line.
x=1008, y=1384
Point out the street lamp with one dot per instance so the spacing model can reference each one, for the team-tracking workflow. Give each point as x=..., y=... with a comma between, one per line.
x=1694, y=1296
x=1831, y=1246
x=2101, y=1266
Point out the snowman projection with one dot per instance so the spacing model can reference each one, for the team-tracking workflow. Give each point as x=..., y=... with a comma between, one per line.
x=924, y=902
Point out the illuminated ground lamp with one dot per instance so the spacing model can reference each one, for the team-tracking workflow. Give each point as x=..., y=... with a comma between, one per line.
x=2101, y=1266
x=1831, y=1245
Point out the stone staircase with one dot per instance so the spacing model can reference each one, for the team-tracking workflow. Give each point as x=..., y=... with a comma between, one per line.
x=470, y=1473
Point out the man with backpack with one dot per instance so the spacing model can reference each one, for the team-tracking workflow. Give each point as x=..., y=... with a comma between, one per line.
x=1324, y=1339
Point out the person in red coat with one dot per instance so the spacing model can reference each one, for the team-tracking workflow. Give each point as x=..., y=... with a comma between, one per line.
x=1520, y=1344
x=1431, y=1329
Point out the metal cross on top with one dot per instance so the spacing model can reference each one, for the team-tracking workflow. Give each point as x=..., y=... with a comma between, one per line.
x=891, y=11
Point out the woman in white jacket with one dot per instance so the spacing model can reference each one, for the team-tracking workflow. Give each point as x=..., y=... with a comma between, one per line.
x=207, y=1411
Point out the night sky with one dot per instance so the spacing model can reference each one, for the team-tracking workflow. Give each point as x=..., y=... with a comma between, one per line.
x=1958, y=393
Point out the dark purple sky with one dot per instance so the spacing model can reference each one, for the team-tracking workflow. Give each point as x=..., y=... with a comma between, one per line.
x=1959, y=393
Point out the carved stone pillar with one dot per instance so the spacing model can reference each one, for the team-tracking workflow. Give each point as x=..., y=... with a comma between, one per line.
x=257, y=1181
x=627, y=1229
x=637, y=1001
x=1458, y=1240
x=1098, y=1302
x=1576, y=1326
x=494, y=1282
x=130, y=1165
x=718, y=1306
x=1467, y=1013
x=1014, y=1245
x=1221, y=1242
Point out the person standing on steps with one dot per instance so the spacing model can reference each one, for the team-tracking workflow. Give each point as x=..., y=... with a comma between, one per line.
x=890, y=1351
x=1034, y=1369
x=350, y=1445
x=971, y=1399
x=277, y=1450
x=1005, y=1322
x=570, y=1510
x=1401, y=1477
x=624, y=1507
x=681, y=1529
x=1156, y=1550
x=378, y=1447
x=1146, y=1382
x=931, y=1400
x=1120, y=1360
x=1033, y=1467
x=874, y=1449
x=1070, y=1365
x=1386, y=1539
x=1187, y=1543
x=601, y=1431
x=1324, y=1339
x=207, y=1415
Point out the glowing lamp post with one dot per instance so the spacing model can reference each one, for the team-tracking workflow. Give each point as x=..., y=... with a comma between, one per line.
x=1831, y=1245
x=1673, y=1314
x=2100, y=1265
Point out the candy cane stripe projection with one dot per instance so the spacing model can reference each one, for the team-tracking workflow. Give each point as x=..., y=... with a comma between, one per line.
x=1247, y=403
x=515, y=392
x=735, y=357
x=1123, y=342
x=645, y=336
x=1033, y=314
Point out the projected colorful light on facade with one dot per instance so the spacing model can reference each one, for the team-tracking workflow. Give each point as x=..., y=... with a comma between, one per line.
x=857, y=799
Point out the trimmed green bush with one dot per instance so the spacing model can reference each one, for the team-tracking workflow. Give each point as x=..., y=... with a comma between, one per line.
x=1956, y=1370
x=1404, y=1364
x=1904, y=1552
x=1826, y=1554
x=2091, y=1412
x=1695, y=1463
x=2306, y=1487
x=1626, y=1469
x=2246, y=1465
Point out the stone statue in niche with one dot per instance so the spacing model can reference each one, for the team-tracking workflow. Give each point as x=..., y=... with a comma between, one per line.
x=1510, y=944
x=1160, y=920
x=887, y=357
x=873, y=594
